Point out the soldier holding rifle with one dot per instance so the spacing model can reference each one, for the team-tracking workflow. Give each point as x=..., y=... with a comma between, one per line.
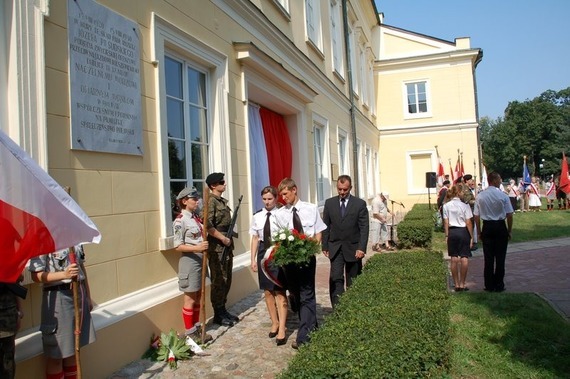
x=219, y=239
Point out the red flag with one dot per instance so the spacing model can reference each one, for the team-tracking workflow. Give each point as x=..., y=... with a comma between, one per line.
x=457, y=172
x=36, y=215
x=451, y=172
x=440, y=171
x=564, y=183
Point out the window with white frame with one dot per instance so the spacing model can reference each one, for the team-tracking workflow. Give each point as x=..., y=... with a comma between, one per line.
x=343, y=152
x=319, y=147
x=362, y=75
x=352, y=55
x=336, y=38
x=313, y=23
x=369, y=173
x=187, y=120
x=417, y=98
x=371, y=87
x=359, y=168
x=417, y=164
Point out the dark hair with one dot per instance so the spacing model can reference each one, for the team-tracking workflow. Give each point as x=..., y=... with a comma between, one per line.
x=344, y=178
x=269, y=189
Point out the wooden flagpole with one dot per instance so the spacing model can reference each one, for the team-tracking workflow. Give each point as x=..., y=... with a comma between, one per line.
x=77, y=315
x=205, y=199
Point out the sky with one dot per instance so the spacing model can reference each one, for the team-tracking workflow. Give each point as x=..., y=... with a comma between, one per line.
x=525, y=43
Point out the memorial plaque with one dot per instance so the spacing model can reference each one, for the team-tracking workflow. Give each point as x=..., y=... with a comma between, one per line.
x=104, y=79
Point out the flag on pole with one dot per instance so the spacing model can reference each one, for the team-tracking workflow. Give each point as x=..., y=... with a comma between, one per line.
x=37, y=216
x=451, y=172
x=461, y=168
x=440, y=170
x=457, y=172
x=564, y=183
x=484, y=180
x=526, y=175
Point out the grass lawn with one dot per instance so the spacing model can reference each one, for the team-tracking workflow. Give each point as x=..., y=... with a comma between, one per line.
x=508, y=335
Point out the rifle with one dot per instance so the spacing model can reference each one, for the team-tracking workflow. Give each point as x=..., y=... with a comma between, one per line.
x=230, y=231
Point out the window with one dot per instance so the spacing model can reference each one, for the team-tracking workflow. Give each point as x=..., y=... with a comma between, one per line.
x=318, y=147
x=343, y=152
x=187, y=120
x=362, y=76
x=336, y=38
x=283, y=6
x=313, y=23
x=417, y=164
x=352, y=55
x=369, y=173
x=417, y=99
x=371, y=91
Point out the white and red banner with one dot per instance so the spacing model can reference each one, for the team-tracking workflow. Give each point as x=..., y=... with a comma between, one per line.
x=564, y=183
x=37, y=216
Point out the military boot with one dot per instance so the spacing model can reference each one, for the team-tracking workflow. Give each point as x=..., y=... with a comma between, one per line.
x=220, y=318
x=230, y=316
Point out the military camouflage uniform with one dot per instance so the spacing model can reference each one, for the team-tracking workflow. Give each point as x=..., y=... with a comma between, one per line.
x=8, y=329
x=219, y=217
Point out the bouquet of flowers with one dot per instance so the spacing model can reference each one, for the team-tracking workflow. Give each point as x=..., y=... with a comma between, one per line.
x=290, y=246
x=168, y=348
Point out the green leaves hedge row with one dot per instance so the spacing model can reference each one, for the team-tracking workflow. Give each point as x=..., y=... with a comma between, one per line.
x=416, y=229
x=393, y=322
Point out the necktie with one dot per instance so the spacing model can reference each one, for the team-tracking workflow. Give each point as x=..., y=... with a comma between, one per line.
x=342, y=207
x=297, y=221
x=267, y=232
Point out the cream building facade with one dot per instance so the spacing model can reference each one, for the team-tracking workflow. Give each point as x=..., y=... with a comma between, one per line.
x=427, y=104
x=201, y=65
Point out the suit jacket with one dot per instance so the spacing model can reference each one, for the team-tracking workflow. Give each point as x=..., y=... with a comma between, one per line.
x=348, y=233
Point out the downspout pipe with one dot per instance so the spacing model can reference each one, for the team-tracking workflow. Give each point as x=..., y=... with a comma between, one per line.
x=355, y=173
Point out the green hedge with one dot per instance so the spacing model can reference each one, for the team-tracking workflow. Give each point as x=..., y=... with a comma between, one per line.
x=393, y=322
x=417, y=227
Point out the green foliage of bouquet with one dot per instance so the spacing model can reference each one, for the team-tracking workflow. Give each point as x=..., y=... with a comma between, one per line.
x=290, y=246
x=168, y=348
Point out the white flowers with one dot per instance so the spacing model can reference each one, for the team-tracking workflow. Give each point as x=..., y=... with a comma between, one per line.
x=282, y=236
x=291, y=238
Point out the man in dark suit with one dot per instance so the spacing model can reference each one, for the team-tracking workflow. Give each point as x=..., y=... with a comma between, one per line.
x=346, y=237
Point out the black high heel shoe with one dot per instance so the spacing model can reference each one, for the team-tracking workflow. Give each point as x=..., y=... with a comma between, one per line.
x=273, y=334
x=280, y=341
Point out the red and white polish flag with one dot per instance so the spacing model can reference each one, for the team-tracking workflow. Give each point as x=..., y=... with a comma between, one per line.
x=37, y=216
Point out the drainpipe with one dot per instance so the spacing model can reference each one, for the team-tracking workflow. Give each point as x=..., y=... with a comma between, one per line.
x=351, y=96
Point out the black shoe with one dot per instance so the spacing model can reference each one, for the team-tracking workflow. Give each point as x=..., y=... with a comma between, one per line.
x=230, y=316
x=489, y=289
x=273, y=334
x=500, y=289
x=223, y=320
x=280, y=341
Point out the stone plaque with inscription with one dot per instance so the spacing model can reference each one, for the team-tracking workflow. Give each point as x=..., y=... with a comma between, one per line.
x=104, y=79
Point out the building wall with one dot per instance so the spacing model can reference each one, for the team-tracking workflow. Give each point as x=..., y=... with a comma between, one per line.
x=132, y=272
x=410, y=143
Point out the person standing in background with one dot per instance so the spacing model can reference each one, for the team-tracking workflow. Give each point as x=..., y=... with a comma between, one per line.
x=458, y=229
x=189, y=240
x=219, y=220
x=380, y=216
x=346, y=237
x=263, y=227
x=59, y=272
x=10, y=318
x=305, y=218
x=493, y=208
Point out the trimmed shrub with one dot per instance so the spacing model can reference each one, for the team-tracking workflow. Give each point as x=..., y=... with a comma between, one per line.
x=392, y=322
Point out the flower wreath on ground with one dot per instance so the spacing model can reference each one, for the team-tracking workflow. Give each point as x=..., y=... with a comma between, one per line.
x=168, y=348
x=289, y=247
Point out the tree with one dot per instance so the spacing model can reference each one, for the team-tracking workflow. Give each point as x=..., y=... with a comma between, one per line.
x=538, y=128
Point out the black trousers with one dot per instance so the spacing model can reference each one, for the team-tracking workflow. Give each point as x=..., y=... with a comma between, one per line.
x=339, y=269
x=301, y=283
x=495, y=240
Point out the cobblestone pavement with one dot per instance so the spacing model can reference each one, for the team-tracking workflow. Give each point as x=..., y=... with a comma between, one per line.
x=245, y=351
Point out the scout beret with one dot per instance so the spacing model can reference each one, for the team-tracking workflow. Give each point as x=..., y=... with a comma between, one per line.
x=188, y=192
x=214, y=178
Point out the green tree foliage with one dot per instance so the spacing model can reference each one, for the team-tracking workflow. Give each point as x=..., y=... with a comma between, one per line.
x=538, y=129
